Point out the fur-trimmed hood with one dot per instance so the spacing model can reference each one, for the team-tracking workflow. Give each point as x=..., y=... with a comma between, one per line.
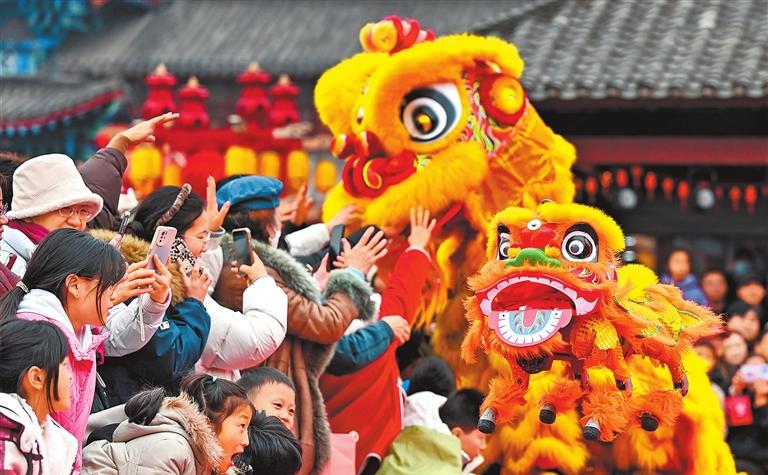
x=179, y=415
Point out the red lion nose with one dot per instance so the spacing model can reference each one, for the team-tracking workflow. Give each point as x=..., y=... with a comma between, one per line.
x=538, y=238
x=368, y=171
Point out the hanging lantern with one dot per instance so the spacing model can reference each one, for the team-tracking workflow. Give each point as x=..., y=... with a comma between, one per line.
x=735, y=195
x=606, y=178
x=668, y=186
x=750, y=197
x=650, y=184
x=637, y=173
x=270, y=164
x=591, y=188
x=719, y=192
x=297, y=170
x=622, y=178
x=240, y=160
x=145, y=168
x=683, y=192
x=326, y=175
x=579, y=187
x=201, y=165
x=173, y=164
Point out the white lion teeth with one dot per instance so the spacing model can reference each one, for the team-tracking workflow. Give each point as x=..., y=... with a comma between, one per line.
x=571, y=294
x=493, y=293
x=584, y=306
x=485, y=306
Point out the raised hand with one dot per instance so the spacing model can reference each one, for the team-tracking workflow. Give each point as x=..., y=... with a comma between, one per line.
x=196, y=284
x=345, y=216
x=141, y=132
x=421, y=228
x=215, y=215
x=366, y=253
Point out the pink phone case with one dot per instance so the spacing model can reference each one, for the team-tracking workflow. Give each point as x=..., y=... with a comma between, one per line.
x=161, y=245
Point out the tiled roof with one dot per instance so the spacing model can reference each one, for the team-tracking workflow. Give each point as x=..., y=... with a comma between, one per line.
x=220, y=37
x=642, y=48
x=592, y=49
x=36, y=102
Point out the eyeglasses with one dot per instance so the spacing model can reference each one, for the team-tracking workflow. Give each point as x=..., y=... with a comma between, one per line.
x=83, y=213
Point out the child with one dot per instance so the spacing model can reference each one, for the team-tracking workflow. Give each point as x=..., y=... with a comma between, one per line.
x=202, y=431
x=273, y=449
x=272, y=392
x=460, y=413
x=68, y=283
x=440, y=436
x=35, y=380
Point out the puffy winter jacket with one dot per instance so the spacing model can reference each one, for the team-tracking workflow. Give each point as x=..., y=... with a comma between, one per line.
x=179, y=440
x=30, y=448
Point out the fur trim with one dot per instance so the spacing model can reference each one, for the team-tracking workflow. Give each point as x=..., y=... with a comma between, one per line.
x=198, y=427
x=359, y=291
x=608, y=407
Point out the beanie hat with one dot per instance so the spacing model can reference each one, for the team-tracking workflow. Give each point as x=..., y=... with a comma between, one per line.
x=47, y=183
x=251, y=192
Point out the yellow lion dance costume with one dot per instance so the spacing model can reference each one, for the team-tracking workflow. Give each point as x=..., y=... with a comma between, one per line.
x=444, y=123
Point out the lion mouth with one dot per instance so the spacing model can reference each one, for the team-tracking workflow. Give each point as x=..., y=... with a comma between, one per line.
x=526, y=310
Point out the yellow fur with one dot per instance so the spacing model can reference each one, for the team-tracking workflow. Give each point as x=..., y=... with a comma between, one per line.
x=364, y=94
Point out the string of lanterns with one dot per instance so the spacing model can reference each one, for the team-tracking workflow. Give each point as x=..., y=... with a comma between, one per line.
x=627, y=187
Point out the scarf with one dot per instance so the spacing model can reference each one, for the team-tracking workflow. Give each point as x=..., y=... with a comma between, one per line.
x=34, y=232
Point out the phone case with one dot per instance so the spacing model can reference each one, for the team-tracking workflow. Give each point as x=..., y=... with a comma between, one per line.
x=242, y=246
x=161, y=245
x=738, y=411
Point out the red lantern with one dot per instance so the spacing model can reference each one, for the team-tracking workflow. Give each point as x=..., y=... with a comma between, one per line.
x=591, y=188
x=579, y=185
x=683, y=192
x=735, y=195
x=622, y=178
x=253, y=105
x=606, y=178
x=750, y=197
x=650, y=184
x=192, y=112
x=160, y=96
x=637, y=173
x=668, y=186
x=719, y=192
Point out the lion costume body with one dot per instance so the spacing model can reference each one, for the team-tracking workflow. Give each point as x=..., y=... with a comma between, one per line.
x=444, y=123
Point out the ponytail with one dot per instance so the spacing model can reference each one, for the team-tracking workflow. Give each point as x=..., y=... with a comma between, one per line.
x=216, y=398
x=143, y=407
x=9, y=303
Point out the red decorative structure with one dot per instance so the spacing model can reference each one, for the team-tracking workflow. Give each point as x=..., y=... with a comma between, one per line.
x=204, y=146
x=160, y=96
x=284, y=109
x=253, y=105
x=192, y=112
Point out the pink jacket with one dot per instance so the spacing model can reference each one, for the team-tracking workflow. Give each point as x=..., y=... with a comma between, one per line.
x=41, y=305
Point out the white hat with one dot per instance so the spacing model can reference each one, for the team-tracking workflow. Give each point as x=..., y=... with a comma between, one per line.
x=47, y=183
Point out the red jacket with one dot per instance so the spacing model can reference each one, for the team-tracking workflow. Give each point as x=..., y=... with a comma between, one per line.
x=368, y=401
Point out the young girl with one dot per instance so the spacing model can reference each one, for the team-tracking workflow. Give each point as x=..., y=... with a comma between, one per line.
x=68, y=283
x=35, y=380
x=200, y=432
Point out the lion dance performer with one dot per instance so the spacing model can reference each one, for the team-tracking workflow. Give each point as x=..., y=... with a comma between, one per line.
x=445, y=123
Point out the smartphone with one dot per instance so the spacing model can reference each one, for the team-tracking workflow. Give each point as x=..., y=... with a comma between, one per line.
x=241, y=239
x=334, y=246
x=124, y=223
x=754, y=372
x=161, y=245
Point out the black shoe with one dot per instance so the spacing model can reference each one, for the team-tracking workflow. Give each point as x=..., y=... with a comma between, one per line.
x=486, y=426
x=649, y=423
x=547, y=414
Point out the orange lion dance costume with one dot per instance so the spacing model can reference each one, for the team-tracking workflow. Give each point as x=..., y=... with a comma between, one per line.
x=443, y=122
